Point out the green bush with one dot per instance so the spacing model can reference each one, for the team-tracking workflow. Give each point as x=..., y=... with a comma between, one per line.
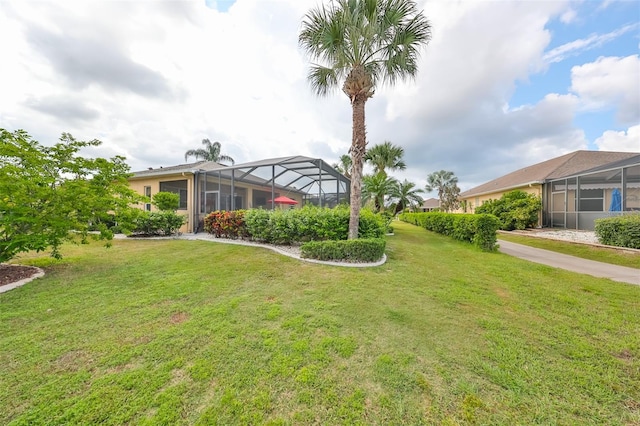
x=515, y=209
x=478, y=229
x=620, y=231
x=166, y=201
x=309, y=224
x=360, y=250
x=257, y=224
x=163, y=223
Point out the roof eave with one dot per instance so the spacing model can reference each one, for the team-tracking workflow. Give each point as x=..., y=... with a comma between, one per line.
x=507, y=188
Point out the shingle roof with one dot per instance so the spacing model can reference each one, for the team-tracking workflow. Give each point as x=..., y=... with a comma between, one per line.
x=431, y=203
x=189, y=167
x=565, y=165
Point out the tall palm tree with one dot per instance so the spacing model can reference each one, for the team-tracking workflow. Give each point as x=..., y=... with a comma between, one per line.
x=446, y=183
x=407, y=195
x=210, y=152
x=358, y=44
x=344, y=166
x=378, y=188
x=385, y=156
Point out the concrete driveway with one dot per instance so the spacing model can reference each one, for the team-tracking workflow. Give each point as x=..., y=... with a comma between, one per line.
x=571, y=263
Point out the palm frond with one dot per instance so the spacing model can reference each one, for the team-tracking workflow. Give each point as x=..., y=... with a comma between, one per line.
x=322, y=79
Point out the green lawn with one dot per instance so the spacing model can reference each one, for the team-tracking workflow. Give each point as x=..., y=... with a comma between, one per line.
x=192, y=332
x=620, y=257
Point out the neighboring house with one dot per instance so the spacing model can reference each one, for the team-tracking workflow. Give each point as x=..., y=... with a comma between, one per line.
x=430, y=204
x=206, y=186
x=575, y=188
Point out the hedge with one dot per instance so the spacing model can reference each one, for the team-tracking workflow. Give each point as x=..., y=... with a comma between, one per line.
x=360, y=250
x=309, y=224
x=157, y=224
x=620, y=231
x=478, y=229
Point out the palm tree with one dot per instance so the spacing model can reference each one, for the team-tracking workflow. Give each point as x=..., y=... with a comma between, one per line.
x=407, y=195
x=446, y=183
x=344, y=166
x=385, y=156
x=377, y=188
x=359, y=44
x=210, y=152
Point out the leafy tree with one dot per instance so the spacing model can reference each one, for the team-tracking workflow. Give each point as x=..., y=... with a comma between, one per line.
x=359, y=44
x=407, y=195
x=446, y=183
x=377, y=188
x=515, y=209
x=46, y=192
x=344, y=166
x=385, y=156
x=450, y=200
x=210, y=152
x=166, y=201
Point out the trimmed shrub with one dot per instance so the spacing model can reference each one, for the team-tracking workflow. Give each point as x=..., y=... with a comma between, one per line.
x=478, y=229
x=157, y=223
x=515, y=209
x=360, y=250
x=309, y=224
x=166, y=201
x=257, y=223
x=620, y=231
x=226, y=224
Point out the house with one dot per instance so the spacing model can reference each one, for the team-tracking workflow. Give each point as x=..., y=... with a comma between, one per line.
x=206, y=186
x=430, y=204
x=575, y=188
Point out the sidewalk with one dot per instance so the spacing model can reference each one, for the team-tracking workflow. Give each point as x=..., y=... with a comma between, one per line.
x=571, y=263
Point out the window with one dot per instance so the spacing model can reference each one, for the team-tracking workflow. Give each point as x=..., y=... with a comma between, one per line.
x=591, y=200
x=176, y=187
x=147, y=193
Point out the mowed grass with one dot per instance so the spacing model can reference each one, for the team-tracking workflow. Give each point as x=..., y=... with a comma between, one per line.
x=614, y=256
x=189, y=332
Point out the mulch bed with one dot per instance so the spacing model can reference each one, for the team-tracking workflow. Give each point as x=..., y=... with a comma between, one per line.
x=12, y=273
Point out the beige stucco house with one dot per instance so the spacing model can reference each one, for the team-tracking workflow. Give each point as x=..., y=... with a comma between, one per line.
x=206, y=186
x=575, y=188
x=429, y=205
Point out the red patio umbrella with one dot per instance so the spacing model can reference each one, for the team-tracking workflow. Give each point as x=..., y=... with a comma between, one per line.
x=284, y=200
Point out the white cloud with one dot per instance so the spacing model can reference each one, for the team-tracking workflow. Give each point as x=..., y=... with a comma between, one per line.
x=182, y=71
x=569, y=16
x=579, y=46
x=610, y=82
x=624, y=141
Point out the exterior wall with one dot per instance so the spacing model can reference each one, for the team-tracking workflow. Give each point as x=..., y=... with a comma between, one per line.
x=192, y=212
x=474, y=201
x=138, y=184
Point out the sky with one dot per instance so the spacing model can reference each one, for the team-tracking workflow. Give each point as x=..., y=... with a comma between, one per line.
x=501, y=85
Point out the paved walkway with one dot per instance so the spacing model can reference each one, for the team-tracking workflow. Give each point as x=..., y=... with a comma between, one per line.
x=571, y=263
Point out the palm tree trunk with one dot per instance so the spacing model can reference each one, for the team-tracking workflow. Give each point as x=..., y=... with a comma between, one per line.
x=358, y=148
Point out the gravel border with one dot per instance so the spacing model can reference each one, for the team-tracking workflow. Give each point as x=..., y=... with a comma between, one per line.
x=290, y=251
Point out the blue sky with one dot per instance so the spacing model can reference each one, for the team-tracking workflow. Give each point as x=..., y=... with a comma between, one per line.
x=598, y=25
x=502, y=84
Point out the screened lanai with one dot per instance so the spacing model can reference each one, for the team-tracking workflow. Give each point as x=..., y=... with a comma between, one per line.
x=258, y=184
x=611, y=190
